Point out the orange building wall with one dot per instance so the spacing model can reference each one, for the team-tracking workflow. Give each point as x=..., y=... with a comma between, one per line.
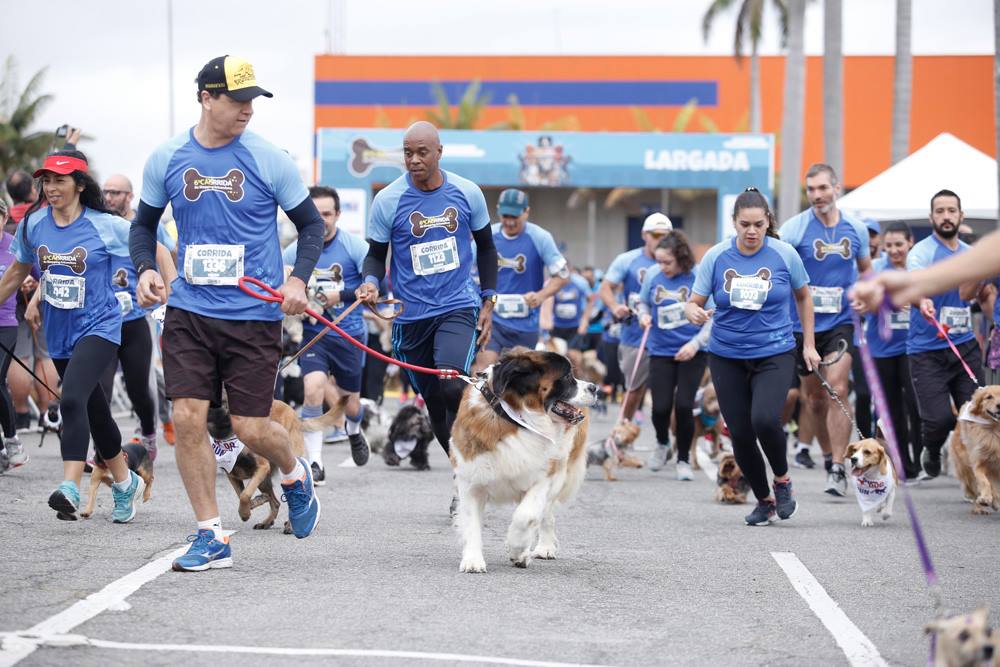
x=949, y=94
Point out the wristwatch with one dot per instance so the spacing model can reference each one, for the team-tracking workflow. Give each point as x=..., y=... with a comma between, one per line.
x=492, y=298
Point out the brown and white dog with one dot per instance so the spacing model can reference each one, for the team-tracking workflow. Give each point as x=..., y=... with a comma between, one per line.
x=138, y=462
x=521, y=438
x=975, y=447
x=874, y=478
x=602, y=454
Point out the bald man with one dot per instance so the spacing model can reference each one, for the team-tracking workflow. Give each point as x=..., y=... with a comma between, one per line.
x=429, y=217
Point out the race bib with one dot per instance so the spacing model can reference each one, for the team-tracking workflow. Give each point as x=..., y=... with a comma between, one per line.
x=213, y=264
x=227, y=451
x=900, y=319
x=511, y=305
x=827, y=300
x=748, y=292
x=633, y=301
x=124, y=302
x=566, y=311
x=434, y=256
x=958, y=320
x=64, y=292
x=670, y=317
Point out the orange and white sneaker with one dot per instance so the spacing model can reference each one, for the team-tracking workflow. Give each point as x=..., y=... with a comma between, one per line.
x=168, y=433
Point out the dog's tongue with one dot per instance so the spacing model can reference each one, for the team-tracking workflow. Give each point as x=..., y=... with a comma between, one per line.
x=567, y=412
x=857, y=472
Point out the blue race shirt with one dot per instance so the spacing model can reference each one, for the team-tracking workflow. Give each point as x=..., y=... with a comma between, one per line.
x=75, y=266
x=899, y=322
x=951, y=311
x=753, y=297
x=629, y=270
x=338, y=268
x=431, y=239
x=830, y=256
x=522, y=261
x=596, y=312
x=570, y=302
x=225, y=202
x=665, y=298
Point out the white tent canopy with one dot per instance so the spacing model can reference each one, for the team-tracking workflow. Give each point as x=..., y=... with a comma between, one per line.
x=903, y=192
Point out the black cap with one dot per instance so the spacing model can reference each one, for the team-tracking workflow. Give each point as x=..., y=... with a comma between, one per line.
x=230, y=75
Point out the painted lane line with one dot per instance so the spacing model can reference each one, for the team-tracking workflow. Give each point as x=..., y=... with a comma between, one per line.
x=860, y=650
x=114, y=594
x=79, y=640
x=707, y=465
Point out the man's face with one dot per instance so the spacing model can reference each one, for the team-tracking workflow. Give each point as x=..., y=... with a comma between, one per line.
x=821, y=192
x=514, y=224
x=946, y=216
x=652, y=238
x=874, y=244
x=328, y=210
x=118, y=196
x=421, y=157
x=227, y=116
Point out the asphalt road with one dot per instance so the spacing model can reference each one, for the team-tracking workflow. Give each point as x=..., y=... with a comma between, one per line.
x=651, y=571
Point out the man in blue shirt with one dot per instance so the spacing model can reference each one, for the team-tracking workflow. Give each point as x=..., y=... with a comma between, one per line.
x=430, y=217
x=524, y=252
x=225, y=185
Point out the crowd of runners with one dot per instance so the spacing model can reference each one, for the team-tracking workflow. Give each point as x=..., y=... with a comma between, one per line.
x=95, y=281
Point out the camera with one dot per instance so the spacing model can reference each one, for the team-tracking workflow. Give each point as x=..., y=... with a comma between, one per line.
x=62, y=130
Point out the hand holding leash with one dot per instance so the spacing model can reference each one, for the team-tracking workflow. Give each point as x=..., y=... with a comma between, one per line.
x=294, y=299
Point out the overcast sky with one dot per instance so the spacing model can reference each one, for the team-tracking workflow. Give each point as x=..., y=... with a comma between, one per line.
x=110, y=76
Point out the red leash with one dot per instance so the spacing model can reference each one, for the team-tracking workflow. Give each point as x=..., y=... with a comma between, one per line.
x=274, y=296
x=943, y=333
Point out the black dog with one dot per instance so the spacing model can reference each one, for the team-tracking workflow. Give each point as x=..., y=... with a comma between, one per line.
x=410, y=424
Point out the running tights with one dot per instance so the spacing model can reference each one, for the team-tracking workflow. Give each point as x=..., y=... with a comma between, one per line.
x=667, y=376
x=136, y=356
x=84, y=407
x=894, y=374
x=751, y=396
x=8, y=336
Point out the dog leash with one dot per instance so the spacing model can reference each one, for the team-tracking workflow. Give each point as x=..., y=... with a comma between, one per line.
x=274, y=296
x=841, y=350
x=29, y=371
x=610, y=441
x=943, y=333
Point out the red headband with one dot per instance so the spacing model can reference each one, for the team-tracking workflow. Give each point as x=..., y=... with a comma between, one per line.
x=62, y=164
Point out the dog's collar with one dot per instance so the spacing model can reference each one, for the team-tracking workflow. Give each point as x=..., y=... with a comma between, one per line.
x=495, y=401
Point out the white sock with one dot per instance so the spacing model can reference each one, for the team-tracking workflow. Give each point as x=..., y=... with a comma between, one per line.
x=297, y=473
x=804, y=445
x=314, y=446
x=353, y=424
x=214, y=524
x=124, y=484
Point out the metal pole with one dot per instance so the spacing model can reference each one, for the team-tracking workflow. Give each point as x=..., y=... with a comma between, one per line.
x=170, y=63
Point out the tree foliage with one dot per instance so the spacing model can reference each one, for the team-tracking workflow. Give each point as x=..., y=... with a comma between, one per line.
x=19, y=110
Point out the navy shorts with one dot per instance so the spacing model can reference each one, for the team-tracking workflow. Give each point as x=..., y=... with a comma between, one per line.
x=334, y=355
x=447, y=340
x=504, y=338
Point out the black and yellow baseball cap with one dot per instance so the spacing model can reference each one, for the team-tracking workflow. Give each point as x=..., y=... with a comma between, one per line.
x=230, y=75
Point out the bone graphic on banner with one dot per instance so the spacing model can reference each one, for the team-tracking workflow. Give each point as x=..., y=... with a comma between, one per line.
x=364, y=157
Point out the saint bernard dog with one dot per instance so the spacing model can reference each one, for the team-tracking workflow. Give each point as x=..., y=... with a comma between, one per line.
x=520, y=436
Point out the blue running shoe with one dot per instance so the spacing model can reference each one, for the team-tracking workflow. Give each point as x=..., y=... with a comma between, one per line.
x=763, y=514
x=125, y=501
x=205, y=553
x=303, y=505
x=65, y=500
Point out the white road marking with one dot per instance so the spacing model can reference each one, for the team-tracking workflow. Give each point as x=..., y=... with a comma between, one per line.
x=69, y=640
x=348, y=463
x=860, y=651
x=707, y=465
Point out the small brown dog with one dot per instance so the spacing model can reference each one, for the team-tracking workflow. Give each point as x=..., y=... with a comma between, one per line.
x=975, y=447
x=138, y=462
x=601, y=453
x=732, y=485
x=874, y=478
x=965, y=640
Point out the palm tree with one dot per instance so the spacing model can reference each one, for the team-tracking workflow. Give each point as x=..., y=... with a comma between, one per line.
x=901, y=80
x=833, y=84
x=793, y=115
x=470, y=107
x=19, y=109
x=750, y=20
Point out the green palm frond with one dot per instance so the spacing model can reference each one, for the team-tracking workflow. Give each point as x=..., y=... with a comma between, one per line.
x=685, y=115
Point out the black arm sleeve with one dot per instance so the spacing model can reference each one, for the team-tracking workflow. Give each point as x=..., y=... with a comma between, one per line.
x=142, y=237
x=375, y=260
x=309, y=222
x=486, y=259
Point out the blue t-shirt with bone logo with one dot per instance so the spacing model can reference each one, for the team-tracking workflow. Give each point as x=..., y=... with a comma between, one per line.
x=431, y=239
x=629, y=270
x=522, y=261
x=665, y=298
x=225, y=202
x=951, y=311
x=75, y=263
x=753, y=297
x=570, y=302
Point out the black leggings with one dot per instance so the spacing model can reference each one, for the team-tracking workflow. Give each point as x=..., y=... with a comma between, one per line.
x=135, y=355
x=665, y=377
x=8, y=336
x=894, y=374
x=751, y=395
x=84, y=406
x=939, y=380
x=862, y=397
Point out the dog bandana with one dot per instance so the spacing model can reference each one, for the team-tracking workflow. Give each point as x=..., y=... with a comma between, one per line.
x=966, y=416
x=404, y=447
x=872, y=491
x=227, y=451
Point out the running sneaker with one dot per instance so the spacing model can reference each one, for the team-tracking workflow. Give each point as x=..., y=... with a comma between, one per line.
x=319, y=475
x=836, y=481
x=303, y=505
x=931, y=464
x=126, y=501
x=684, y=473
x=206, y=552
x=16, y=455
x=658, y=459
x=65, y=500
x=762, y=515
x=784, y=500
x=803, y=459
x=169, y=434
x=360, y=451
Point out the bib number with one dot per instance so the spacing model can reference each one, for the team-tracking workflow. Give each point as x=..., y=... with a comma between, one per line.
x=828, y=300
x=64, y=292
x=670, y=317
x=226, y=452
x=434, y=256
x=748, y=293
x=900, y=320
x=511, y=305
x=566, y=311
x=124, y=302
x=213, y=264
x=958, y=320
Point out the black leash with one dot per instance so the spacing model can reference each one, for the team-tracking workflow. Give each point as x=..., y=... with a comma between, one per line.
x=841, y=349
x=30, y=372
